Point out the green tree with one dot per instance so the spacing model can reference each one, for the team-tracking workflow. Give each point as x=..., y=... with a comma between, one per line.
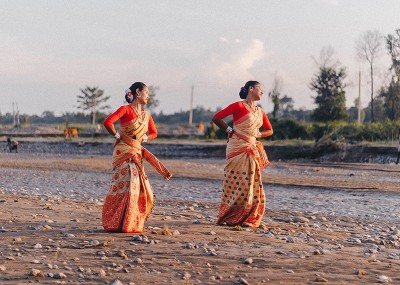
x=393, y=45
x=331, y=97
x=379, y=110
x=48, y=114
x=275, y=94
x=153, y=102
x=286, y=103
x=26, y=121
x=391, y=100
x=92, y=99
x=391, y=93
x=301, y=114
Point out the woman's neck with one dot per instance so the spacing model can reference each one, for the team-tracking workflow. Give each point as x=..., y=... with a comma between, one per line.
x=250, y=102
x=136, y=105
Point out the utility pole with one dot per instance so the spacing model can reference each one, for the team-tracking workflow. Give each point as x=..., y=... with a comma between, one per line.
x=359, y=98
x=398, y=150
x=94, y=114
x=18, y=122
x=191, y=107
x=13, y=114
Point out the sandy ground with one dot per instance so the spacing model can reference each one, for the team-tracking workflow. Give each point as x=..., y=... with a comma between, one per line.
x=50, y=226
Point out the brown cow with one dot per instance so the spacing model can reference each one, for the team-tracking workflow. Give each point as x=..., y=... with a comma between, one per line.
x=71, y=133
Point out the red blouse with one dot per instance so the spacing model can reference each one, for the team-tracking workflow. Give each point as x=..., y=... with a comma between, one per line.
x=126, y=114
x=238, y=110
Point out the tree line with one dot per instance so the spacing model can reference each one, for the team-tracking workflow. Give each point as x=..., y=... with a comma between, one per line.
x=329, y=84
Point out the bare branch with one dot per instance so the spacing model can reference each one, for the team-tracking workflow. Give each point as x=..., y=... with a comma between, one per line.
x=369, y=46
x=326, y=58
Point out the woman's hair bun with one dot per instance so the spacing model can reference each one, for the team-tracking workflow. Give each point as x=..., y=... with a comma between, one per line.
x=243, y=92
x=128, y=96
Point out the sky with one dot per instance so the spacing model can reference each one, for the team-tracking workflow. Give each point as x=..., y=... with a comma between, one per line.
x=50, y=49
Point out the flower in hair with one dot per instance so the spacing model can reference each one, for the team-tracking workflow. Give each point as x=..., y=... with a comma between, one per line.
x=129, y=95
x=128, y=92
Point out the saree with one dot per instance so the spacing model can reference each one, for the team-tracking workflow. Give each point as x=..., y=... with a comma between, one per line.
x=130, y=198
x=243, y=197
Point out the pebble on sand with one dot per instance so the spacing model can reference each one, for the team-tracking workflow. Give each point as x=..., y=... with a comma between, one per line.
x=186, y=276
x=300, y=219
x=36, y=273
x=102, y=273
x=384, y=279
x=248, y=261
x=60, y=275
x=361, y=272
x=321, y=279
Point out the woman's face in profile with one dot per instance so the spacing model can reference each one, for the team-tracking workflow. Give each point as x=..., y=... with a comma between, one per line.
x=257, y=92
x=144, y=96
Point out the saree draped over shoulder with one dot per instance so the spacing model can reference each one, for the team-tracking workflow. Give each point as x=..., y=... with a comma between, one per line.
x=129, y=201
x=243, y=198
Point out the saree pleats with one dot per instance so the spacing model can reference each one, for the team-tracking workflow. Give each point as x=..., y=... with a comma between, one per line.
x=129, y=201
x=243, y=197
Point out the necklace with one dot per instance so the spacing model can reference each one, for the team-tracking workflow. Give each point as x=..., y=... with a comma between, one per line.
x=252, y=107
x=138, y=114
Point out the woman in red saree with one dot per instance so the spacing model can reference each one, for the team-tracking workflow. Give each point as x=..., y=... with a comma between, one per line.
x=243, y=197
x=129, y=201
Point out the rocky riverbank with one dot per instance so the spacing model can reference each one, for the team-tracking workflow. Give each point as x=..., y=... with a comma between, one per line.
x=56, y=241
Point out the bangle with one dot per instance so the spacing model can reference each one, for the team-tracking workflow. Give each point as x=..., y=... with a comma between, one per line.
x=117, y=135
x=229, y=129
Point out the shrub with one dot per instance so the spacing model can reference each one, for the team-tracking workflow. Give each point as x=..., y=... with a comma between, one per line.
x=289, y=129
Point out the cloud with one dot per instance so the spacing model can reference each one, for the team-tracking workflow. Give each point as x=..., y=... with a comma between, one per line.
x=233, y=61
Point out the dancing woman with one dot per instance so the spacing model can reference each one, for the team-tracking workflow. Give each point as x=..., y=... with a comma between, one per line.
x=243, y=197
x=129, y=201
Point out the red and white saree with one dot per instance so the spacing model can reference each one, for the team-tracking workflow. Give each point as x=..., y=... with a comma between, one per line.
x=243, y=197
x=130, y=199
